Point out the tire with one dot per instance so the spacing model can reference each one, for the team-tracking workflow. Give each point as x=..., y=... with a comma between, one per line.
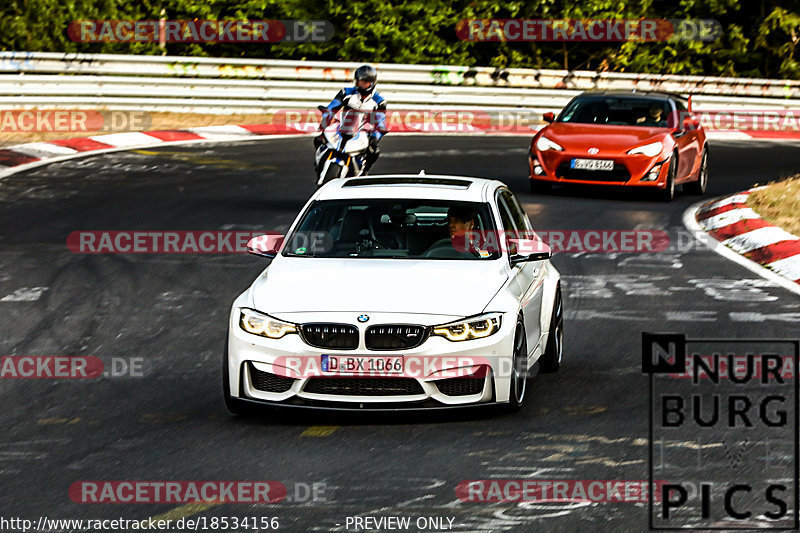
x=233, y=405
x=539, y=187
x=519, y=376
x=668, y=194
x=554, y=351
x=333, y=172
x=699, y=186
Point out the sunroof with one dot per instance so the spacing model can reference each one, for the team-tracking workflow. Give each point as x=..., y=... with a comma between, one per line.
x=410, y=180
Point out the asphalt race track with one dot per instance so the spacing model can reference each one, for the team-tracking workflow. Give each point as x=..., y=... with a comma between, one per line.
x=589, y=421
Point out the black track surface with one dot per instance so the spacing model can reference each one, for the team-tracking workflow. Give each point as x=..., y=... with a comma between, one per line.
x=588, y=421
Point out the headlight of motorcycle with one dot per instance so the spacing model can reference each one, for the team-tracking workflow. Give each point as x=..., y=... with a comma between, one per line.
x=650, y=150
x=260, y=324
x=543, y=144
x=470, y=328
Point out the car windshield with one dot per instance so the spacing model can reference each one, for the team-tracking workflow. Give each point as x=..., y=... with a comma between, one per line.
x=391, y=228
x=610, y=111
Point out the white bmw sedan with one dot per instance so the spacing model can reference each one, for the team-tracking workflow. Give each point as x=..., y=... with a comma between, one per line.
x=397, y=292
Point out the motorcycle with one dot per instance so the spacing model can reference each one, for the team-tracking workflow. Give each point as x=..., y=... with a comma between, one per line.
x=342, y=154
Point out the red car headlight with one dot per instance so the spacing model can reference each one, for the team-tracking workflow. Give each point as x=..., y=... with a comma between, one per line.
x=543, y=144
x=650, y=150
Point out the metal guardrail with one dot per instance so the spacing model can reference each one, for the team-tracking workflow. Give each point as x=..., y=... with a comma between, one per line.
x=222, y=85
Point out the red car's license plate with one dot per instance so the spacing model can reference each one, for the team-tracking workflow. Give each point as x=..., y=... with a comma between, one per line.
x=593, y=164
x=362, y=364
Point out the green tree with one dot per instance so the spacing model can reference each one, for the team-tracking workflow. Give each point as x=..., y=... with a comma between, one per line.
x=759, y=37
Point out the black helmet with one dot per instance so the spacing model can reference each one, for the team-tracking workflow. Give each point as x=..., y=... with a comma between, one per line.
x=366, y=73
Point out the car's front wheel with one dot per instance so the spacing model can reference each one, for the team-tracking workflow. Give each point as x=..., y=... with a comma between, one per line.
x=519, y=374
x=233, y=405
x=699, y=186
x=668, y=194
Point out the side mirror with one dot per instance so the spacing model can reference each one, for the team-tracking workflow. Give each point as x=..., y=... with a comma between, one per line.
x=549, y=117
x=683, y=122
x=265, y=245
x=527, y=250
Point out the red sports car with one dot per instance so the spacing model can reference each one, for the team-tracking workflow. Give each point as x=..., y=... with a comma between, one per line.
x=631, y=139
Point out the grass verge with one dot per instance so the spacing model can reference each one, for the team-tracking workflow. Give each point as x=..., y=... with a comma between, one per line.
x=779, y=204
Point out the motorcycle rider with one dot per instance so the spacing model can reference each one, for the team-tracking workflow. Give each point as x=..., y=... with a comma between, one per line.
x=362, y=96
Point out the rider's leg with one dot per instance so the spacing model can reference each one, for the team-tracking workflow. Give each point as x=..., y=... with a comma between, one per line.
x=370, y=158
x=317, y=143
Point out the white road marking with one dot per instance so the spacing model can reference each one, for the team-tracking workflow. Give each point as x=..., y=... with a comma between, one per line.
x=12, y=456
x=691, y=316
x=789, y=267
x=735, y=290
x=729, y=217
x=43, y=149
x=635, y=441
x=735, y=199
x=538, y=472
x=630, y=284
x=728, y=135
x=640, y=288
x=134, y=138
x=592, y=314
x=758, y=238
x=607, y=461
x=754, y=316
x=652, y=261
x=222, y=132
x=25, y=294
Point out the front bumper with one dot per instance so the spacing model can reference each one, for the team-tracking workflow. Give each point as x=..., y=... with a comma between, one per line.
x=629, y=170
x=348, y=407
x=468, y=373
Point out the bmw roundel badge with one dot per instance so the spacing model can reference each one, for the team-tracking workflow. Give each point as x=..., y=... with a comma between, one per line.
x=363, y=318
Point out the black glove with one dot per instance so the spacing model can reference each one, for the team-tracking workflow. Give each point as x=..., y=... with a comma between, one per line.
x=373, y=142
x=327, y=118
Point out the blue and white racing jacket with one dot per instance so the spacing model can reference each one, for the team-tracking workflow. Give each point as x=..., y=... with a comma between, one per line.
x=373, y=104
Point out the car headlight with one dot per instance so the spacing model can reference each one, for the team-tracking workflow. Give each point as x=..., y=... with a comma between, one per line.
x=650, y=150
x=470, y=328
x=543, y=144
x=260, y=324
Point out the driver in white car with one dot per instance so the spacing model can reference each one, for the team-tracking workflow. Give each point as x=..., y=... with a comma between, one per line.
x=460, y=220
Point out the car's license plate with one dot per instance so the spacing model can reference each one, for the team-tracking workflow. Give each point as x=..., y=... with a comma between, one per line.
x=362, y=364
x=592, y=164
